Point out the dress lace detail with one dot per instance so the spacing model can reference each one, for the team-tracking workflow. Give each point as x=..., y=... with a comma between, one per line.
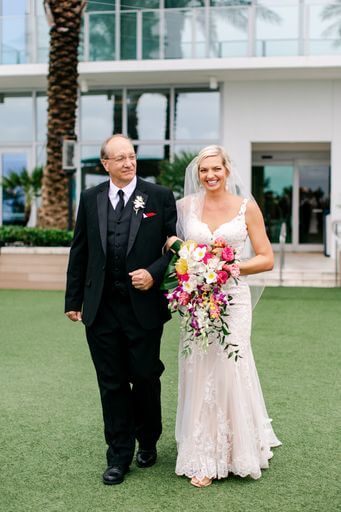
x=222, y=425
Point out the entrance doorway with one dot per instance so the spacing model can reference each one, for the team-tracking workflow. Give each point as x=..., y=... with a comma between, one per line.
x=293, y=188
x=12, y=199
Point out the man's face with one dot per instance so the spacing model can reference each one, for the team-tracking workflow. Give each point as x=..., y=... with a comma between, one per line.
x=120, y=163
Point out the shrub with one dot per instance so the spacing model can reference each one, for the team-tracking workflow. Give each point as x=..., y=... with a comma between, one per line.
x=18, y=235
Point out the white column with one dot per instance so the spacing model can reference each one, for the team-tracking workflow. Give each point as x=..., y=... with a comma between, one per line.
x=335, y=178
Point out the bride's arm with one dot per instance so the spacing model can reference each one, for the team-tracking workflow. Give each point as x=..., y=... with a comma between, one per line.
x=264, y=258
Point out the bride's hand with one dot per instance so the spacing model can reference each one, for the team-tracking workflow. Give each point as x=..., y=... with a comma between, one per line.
x=170, y=242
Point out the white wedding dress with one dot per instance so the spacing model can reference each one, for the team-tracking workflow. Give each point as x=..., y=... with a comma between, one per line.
x=222, y=425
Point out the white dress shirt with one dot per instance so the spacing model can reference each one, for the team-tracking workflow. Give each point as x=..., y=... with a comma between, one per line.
x=127, y=192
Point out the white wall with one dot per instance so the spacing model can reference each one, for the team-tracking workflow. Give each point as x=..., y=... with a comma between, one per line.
x=283, y=111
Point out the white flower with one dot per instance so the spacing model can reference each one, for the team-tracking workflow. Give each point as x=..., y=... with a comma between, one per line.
x=186, y=251
x=210, y=277
x=138, y=203
x=190, y=285
x=199, y=253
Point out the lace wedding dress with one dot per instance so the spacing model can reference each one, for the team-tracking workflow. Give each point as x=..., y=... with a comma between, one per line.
x=222, y=425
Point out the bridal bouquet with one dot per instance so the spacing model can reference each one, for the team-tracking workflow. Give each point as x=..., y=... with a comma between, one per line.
x=195, y=279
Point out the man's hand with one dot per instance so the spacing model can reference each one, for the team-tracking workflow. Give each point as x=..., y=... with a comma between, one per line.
x=141, y=279
x=75, y=316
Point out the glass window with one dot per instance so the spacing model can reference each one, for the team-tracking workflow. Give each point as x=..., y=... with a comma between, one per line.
x=15, y=118
x=101, y=115
x=324, y=29
x=41, y=156
x=150, y=35
x=272, y=186
x=95, y=5
x=178, y=34
x=128, y=36
x=148, y=158
x=41, y=117
x=314, y=202
x=140, y=4
x=229, y=32
x=196, y=114
x=170, y=4
x=13, y=40
x=277, y=29
x=92, y=171
x=13, y=197
x=148, y=114
x=43, y=38
x=10, y=8
x=102, y=36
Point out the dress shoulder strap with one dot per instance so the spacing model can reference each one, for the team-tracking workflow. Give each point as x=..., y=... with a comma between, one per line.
x=242, y=208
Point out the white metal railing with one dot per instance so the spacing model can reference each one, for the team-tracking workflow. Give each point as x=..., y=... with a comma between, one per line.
x=193, y=32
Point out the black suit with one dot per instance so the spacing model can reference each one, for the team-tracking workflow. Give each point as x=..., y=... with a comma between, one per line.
x=123, y=324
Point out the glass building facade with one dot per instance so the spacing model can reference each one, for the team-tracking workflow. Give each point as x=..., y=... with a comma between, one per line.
x=177, y=29
x=166, y=117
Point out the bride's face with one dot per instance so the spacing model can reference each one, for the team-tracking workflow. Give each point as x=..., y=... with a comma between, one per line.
x=212, y=173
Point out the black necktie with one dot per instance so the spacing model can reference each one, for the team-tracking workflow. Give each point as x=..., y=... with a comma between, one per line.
x=120, y=204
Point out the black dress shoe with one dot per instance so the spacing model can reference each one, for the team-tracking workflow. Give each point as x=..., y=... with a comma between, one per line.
x=114, y=474
x=146, y=458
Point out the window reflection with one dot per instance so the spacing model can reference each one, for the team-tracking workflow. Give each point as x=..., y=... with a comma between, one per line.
x=196, y=114
x=149, y=157
x=13, y=198
x=128, y=36
x=41, y=117
x=229, y=32
x=15, y=118
x=277, y=29
x=92, y=171
x=102, y=36
x=101, y=115
x=272, y=186
x=148, y=114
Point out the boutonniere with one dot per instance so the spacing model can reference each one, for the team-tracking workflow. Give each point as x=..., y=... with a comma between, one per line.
x=149, y=214
x=138, y=203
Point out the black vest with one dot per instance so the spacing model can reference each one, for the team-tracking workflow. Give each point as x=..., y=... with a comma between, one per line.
x=117, y=244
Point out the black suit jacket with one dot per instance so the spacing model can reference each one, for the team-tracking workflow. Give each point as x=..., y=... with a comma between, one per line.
x=148, y=234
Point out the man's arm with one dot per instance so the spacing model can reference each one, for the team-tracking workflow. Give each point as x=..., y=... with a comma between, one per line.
x=143, y=279
x=77, y=266
x=158, y=268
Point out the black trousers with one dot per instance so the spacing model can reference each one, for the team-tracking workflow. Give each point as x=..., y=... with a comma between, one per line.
x=128, y=367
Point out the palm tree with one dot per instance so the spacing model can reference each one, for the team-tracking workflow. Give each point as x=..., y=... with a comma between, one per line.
x=64, y=17
x=330, y=12
x=30, y=184
x=172, y=173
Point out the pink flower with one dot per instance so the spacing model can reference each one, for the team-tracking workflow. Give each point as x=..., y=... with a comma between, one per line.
x=235, y=271
x=207, y=257
x=184, y=298
x=227, y=254
x=222, y=277
x=183, y=277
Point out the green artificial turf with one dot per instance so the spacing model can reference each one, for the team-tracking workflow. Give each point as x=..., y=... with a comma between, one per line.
x=52, y=452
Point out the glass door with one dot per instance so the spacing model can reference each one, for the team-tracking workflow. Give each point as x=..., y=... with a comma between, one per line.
x=296, y=192
x=314, y=200
x=12, y=163
x=272, y=186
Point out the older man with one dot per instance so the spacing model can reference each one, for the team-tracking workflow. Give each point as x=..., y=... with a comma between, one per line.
x=115, y=269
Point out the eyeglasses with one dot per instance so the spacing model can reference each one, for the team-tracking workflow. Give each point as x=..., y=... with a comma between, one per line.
x=122, y=158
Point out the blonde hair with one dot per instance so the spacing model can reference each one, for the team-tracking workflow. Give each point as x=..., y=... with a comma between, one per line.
x=215, y=150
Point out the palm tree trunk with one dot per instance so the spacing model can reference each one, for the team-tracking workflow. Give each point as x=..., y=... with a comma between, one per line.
x=65, y=20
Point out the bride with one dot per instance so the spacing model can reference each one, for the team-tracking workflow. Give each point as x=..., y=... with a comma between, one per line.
x=222, y=425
